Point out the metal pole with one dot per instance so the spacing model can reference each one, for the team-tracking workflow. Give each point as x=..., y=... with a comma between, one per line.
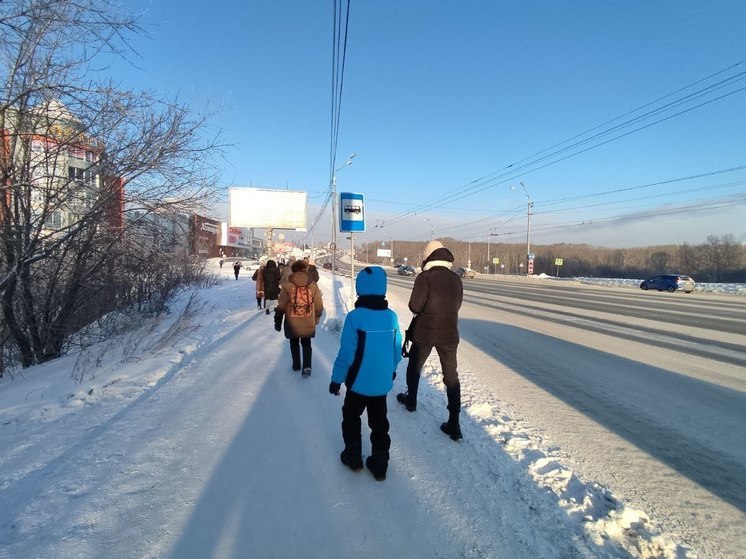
x=528, y=228
x=489, y=238
x=528, y=225
x=352, y=270
x=432, y=230
x=334, y=227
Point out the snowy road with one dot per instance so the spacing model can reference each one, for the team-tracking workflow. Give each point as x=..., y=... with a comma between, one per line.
x=645, y=393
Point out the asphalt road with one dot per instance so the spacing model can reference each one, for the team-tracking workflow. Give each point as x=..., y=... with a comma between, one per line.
x=644, y=391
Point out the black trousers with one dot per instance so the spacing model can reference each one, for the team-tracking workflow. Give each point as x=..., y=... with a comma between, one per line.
x=295, y=347
x=352, y=410
x=419, y=353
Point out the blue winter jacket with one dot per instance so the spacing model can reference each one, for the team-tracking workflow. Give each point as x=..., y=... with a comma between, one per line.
x=369, y=352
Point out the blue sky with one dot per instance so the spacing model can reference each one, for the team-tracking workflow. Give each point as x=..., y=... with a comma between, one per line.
x=441, y=97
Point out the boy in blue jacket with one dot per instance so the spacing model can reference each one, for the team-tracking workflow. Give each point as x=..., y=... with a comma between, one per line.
x=369, y=352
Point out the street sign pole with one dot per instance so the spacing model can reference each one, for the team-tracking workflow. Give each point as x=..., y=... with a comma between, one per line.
x=351, y=220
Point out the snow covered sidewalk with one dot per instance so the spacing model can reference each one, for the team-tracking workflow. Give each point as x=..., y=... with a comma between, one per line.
x=210, y=446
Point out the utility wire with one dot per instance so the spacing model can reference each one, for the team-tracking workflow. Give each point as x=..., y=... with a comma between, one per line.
x=339, y=54
x=529, y=164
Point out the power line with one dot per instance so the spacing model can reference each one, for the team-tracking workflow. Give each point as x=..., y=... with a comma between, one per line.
x=529, y=164
x=339, y=55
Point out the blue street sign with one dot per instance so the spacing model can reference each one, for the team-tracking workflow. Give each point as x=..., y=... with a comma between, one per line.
x=351, y=212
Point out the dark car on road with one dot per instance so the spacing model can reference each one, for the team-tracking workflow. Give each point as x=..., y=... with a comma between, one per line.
x=466, y=273
x=327, y=265
x=406, y=271
x=669, y=282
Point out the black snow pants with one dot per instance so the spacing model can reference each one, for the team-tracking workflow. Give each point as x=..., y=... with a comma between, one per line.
x=352, y=410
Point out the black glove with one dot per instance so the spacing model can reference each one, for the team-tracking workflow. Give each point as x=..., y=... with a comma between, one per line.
x=334, y=388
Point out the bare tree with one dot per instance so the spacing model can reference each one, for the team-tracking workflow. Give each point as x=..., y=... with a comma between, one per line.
x=89, y=172
x=660, y=261
x=720, y=254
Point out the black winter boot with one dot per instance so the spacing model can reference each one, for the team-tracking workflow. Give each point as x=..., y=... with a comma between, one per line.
x=295, y=354
x=352, y=456
x=452, y=427
x=307, y=355
x=453, y=393
x=378, y=464
x=407, y=400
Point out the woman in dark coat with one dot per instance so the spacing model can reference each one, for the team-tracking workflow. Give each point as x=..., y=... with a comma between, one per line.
x=435, y=300
x=271, y=276
x=300, y=322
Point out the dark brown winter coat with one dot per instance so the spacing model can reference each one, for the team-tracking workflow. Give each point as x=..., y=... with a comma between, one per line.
x=296, y=327
x=271, y=276
x=436, y=299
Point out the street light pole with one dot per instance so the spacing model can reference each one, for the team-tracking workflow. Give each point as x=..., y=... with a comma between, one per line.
x=528, y=222
x=334, y=214
x=431, y=228
x=489, y=238
x=392, y=247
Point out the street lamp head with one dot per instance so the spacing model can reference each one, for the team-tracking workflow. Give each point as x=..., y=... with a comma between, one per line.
x=346, y=163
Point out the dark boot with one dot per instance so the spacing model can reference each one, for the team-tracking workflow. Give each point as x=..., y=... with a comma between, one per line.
x=378, y=464
x=453, y=393
x=295, y=354
x=307, y=351
x=352, y=456
x=452, y=427
x=406, y=400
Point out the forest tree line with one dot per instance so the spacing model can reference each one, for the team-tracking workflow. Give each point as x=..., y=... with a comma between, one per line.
x=718, y=260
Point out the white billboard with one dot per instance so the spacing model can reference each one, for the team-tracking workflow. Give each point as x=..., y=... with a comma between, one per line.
x=264, y=208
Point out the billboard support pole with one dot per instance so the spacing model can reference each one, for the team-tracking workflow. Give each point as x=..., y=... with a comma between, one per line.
x=270, y=244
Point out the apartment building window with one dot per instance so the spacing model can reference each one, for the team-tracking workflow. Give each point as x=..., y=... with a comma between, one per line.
x=82, y=185
x=54, y=221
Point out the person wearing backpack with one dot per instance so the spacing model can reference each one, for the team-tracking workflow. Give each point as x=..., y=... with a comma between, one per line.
x=369, y=353
x=301, y=305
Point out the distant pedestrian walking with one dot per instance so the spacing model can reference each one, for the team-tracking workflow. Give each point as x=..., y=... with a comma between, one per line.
x=301, y=305
x=286, y=270
x=271, y=281
x=236, y=268
x=313, y=273
x=435, y=300
x=258, y=277
x=221, y=263
x=369, y=353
